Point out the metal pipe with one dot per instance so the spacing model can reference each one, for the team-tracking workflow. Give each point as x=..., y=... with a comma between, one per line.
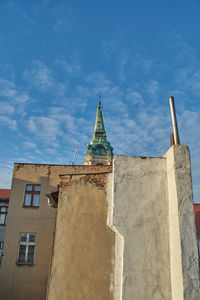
x=174, y=121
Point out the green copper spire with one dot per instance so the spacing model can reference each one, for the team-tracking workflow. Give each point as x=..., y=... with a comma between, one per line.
x=99, y=144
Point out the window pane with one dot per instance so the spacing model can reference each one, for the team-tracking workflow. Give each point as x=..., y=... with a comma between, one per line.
x=27, y=201
x=36, y=199
x=199, y=246
x=32, y=238
x=37, y=188
x=31, y=254
x=22, y=250
x=4, y=209
x=1, y=245
x=1, y=255
x=2, y=219
x=29, y=187
x=23, y=237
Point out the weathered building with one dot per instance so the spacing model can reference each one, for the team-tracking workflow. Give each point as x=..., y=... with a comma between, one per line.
x=131, y=236
x=124, y=228
x=29, y=232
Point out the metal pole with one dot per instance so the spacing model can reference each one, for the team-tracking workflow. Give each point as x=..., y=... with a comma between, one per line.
x=174, y=121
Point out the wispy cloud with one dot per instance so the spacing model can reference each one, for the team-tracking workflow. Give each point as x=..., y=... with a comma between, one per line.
x=72, y=66
x=45, y=79
x=5, y=174
x=128, y=59
x=152, y=89
x=7, y=88
x=135, y=98
x=6, y=108
x=44, y=128
x=30, y=145
x=39, y=76
x=63, y=18
x=12, y=99
x=12, y=124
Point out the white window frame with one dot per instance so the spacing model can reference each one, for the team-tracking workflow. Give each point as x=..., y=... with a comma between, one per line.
x=27, y=244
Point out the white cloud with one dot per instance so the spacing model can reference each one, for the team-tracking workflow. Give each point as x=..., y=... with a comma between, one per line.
x=63, y=18
x=30, y=145
x=39, y=76
x=73, y=67
x=127, y=60
x=22, y=98
x=12, y=124
x=152, y=89
x=45, y=79
x=135, y=98
x=13, y=101
x=6, y=108
x=44, y=128
x=7, y=88
x=5, y=175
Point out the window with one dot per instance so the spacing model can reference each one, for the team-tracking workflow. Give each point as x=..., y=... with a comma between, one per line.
x=26, y=248
x=1, y=251
x=3, y=214
x=198, y=242
x=32, y=195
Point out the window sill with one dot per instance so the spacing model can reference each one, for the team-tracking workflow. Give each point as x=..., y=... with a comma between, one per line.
x=24, y=264
x=26, y=206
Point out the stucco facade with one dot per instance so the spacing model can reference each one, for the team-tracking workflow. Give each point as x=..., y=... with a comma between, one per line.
x=120, y=232
x=142, y=222
x=25, y=281
x=84, y=244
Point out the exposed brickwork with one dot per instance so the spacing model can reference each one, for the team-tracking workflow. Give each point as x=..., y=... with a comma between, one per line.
x=98, y=180
x=4, y=193
x=197, y=223
x=197, y=218
x=84, y=170
x=95, y=174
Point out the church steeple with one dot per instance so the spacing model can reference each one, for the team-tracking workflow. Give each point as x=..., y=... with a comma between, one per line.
x=99, y=150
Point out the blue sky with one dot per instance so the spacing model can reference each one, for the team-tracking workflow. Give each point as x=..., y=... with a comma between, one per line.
x=57, y=58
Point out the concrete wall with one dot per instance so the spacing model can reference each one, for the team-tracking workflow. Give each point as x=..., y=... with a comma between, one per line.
x=82, y=266
x=182, y=234
x=140, y=244
x=139, y=214
x=29, y=282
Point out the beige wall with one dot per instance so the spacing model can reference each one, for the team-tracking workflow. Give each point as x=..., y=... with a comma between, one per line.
x=29, y=282
x=84, y=245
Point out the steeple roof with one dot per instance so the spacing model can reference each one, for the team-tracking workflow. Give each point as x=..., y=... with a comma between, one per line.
x=99, y=144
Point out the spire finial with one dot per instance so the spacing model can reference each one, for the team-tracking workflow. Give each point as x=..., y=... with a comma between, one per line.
x=99, y=103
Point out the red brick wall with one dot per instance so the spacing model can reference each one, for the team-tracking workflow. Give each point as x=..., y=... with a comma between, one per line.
x=197, y=223
x=4, y=193
x=197, y=218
